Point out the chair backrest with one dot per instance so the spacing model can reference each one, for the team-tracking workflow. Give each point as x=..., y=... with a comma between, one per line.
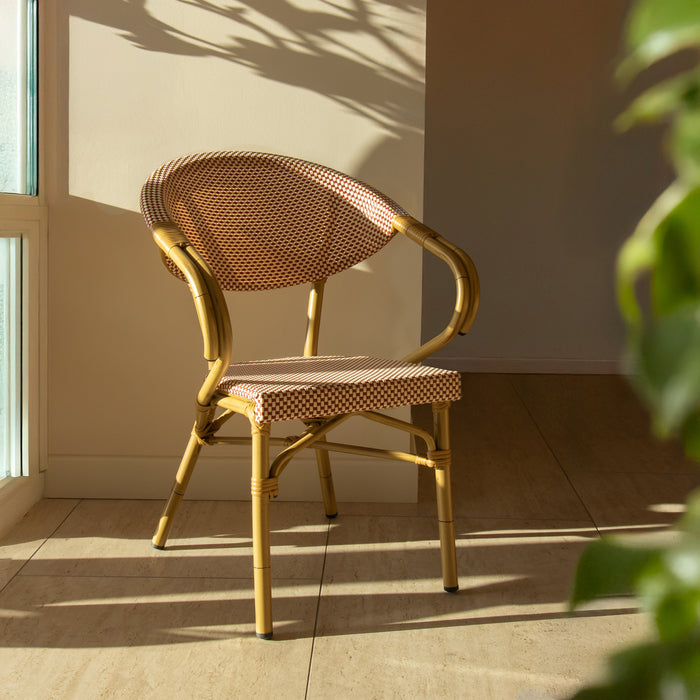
x=263, y=221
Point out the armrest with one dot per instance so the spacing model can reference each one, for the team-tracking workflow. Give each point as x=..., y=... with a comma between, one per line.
x=466, y=281
x=209, y=302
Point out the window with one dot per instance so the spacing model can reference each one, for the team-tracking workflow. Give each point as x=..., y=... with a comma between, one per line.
x=10, y=357
x=18, y=97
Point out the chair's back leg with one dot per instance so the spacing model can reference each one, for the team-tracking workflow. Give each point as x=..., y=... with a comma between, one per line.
x=311, y=348
x=443, y=487
x=182, y=478
x=323, y=463
x=261, y=489
x=326, y=477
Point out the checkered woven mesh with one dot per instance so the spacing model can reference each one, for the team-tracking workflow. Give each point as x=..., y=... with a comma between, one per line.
x=313, y=387
x=263, y=221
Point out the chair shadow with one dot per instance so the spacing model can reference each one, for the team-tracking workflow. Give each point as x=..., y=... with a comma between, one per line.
x=55, y=622
x=112, y=602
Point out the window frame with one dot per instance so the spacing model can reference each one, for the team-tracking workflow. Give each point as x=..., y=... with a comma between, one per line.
x=25, y=215
x=28, y=220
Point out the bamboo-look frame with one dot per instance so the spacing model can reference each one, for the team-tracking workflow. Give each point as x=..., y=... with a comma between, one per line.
x=215, y=325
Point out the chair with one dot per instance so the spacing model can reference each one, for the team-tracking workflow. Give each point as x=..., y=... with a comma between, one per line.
x=240, y=221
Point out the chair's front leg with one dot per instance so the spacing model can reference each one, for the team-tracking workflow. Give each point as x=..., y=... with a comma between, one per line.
x=443, y=487
x=262, y=487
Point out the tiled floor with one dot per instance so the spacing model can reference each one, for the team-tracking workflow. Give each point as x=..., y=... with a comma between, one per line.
x=89, y=610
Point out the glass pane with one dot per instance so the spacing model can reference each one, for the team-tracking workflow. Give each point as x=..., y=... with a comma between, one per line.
x=10, y=357
x=18, y=96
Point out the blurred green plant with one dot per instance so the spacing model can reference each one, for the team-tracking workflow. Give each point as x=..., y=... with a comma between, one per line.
x=664, y=572
x=663, y=356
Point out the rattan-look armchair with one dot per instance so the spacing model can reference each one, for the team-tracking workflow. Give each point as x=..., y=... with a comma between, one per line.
x=240, y=221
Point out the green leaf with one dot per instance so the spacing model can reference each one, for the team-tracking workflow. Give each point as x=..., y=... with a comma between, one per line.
x=639, y=253
x=657, y=29
x=690, y=433
x=690, y=522
x=685, y=146
x=662, y=100
x=677, y=614
x=608, y=692
x=683, y=561
x=636, y=255
x=610, y=567
x=676, y=278
x=666, y=361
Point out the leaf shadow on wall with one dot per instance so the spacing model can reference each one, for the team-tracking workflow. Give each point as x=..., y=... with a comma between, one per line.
x=313, y=49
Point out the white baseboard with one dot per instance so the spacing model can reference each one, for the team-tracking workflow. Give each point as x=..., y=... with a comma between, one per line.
x=226, y=478
x=508, y=365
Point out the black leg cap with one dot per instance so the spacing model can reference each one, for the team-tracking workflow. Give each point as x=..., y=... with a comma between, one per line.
x=267, y=635
x=451, y=589
x=155, y=546
x=330, y=517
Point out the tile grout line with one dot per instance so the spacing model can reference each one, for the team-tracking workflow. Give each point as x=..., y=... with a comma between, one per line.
x=44, y=541
x=318, y=608
x=554, y=454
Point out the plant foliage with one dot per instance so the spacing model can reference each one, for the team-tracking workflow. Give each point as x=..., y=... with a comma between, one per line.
x=663, y=354
x=666, y=576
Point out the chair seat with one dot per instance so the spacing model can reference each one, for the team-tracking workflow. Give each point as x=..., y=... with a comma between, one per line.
x=314, y=387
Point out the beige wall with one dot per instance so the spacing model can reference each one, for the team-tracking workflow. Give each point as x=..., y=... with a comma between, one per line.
x=131, y=85
x=524, y=170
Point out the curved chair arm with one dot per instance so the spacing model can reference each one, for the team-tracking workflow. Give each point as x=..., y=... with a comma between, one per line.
x=209, y=301
x=466, y=280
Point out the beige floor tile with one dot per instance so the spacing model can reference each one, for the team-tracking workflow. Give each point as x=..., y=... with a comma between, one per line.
x=624, y=500
x=387, y=630
x=209, y=538
x=22, y=542
x=502, y=466
x=518, y=654
x=519, y=561
x=595, y=423
x=85, y=637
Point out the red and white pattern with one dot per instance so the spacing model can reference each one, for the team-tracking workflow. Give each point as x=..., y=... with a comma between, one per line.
x=263, y=221
x=314, y=387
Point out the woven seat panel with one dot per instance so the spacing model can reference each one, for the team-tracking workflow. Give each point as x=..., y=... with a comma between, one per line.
x=263, y=221
x=313, y=387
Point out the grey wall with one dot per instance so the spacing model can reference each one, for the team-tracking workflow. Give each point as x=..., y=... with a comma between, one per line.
x=525, y=171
